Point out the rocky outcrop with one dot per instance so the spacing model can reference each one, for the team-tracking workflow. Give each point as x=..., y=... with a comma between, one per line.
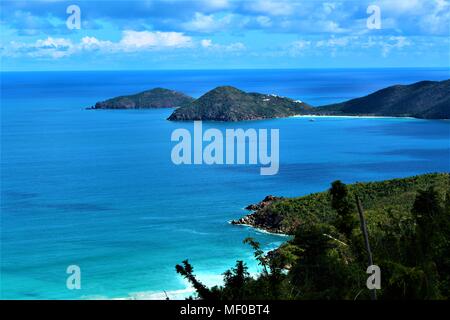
x=263, y=218
x=269, y=223
x=267, y=200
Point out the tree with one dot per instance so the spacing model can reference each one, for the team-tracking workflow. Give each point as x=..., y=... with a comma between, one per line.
x=341, y=202
x=431, y=242
x=271, y=279
x=428, y=214
x=187, y=271
x=258, y=253
x=322, y=271
x=235, y=280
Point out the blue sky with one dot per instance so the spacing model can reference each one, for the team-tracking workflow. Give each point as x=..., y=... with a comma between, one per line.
x=221, y=34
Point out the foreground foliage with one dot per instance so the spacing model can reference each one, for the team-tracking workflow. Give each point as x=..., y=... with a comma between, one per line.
x=408, y=222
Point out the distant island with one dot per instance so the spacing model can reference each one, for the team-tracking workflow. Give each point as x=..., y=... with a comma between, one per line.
x=424, y=99
x=154, y=98
x=231, y=104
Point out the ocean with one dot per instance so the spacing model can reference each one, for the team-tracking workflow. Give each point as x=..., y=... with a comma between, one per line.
x=98, y=189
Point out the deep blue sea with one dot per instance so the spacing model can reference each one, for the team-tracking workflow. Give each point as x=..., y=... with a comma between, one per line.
x=98, y=189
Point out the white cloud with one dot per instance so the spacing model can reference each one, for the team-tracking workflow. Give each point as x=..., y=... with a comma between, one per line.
x=232, y=47
x=53, y=43
x=136, y=40
x=306, y=26
x=264, y=21
x=216, y=4
x=335, y=42
x=299, y=47
x=271, y=8
x=394, y=43
x=236, y=46
x=328, y=7
x=301, y=44
x=206, y=43
x=131, y=41
x=207, y=23
x=437, y=20
x=201, y=22
x=401, y=6
x=430, y=17
x=334, y=45
x=42, y=48
x=92, y=43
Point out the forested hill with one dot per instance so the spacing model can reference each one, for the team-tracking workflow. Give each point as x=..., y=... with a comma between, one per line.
x=154, y=98
x=282, y=215
x=408, y=223
x=424, y=99
x=231, y=104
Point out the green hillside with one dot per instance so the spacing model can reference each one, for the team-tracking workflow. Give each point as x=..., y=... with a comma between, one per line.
x=231, y=104
x=154, y=98
x=408, y=222
x=424, y=99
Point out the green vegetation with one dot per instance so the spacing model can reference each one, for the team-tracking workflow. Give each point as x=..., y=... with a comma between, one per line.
x=424, y=99
x=408, y=222
x=155, y=98
x=231, y=104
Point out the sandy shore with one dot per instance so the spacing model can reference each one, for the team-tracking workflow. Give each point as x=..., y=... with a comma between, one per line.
x=350, y=117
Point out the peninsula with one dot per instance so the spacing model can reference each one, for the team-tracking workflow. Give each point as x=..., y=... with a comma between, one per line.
x=284, y=215
x=424, y=99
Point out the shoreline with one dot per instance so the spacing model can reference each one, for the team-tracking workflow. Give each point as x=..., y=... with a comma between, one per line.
x=258, y=228
x=251, y=220
x=188, y=291
x=356, y=117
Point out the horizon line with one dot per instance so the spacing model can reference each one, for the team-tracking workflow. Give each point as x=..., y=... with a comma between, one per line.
x=227, y=69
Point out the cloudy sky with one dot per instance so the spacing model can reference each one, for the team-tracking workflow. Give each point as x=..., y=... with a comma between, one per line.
x=218, y=34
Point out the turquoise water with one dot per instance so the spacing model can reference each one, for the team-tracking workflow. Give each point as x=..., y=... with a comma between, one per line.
x=98, y=189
